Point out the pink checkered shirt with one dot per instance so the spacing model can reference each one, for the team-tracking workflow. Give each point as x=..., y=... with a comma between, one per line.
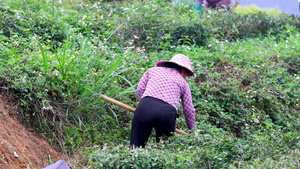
x=168, y=85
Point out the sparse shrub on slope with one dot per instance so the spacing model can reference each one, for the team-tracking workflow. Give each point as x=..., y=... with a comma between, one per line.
x=243, y=88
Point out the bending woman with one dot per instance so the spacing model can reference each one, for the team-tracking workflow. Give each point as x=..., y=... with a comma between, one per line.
x=159, y=92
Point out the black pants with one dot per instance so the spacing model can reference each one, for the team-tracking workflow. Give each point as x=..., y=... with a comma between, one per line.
x=152, y=113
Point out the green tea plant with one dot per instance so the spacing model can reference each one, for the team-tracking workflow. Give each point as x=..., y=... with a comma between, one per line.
x=211, y=147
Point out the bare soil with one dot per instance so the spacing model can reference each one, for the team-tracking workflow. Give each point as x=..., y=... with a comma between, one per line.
x=20, y=148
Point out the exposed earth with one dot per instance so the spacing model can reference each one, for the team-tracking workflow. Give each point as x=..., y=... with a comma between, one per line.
x=20, y=148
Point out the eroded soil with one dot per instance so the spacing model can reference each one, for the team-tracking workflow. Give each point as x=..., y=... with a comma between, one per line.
x=20, y=148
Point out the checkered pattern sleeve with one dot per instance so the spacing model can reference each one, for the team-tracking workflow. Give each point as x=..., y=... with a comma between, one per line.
x=142, y=85
x=188, y=108
x=168, y=85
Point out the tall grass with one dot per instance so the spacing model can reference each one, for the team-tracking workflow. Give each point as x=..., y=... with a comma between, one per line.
x=45, y=59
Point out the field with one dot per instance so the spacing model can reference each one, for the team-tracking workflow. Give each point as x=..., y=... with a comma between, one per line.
x=57, y=57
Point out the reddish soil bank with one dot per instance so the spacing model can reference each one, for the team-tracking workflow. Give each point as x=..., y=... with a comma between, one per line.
x=20, y=148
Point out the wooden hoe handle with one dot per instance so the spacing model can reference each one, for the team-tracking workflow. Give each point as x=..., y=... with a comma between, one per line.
x=235, y=5
x=116, y=102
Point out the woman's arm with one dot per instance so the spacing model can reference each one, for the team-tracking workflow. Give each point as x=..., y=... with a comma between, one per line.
x=188, y=108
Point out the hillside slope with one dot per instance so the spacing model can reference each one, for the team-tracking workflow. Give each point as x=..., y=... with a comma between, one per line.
x=20, y=148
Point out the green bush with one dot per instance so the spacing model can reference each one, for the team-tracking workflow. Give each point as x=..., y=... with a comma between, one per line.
x=140, y=24
x=211, y=147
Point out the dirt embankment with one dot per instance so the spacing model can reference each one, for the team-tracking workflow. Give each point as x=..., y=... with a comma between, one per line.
x=20, y=148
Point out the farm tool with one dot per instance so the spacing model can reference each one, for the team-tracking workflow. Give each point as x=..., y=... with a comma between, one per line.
x=235, y=5
x=116, y=102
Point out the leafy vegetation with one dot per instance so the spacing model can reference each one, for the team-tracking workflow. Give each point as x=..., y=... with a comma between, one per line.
x=256, y=9
x=57, y=57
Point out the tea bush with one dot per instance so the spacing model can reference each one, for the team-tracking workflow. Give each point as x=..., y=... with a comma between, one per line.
x=211, y=148
x=143, y=25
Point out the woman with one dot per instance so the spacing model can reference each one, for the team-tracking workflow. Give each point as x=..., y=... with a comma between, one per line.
x=213, y=4
x=159, y=92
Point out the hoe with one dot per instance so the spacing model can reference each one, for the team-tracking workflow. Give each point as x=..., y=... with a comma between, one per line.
x=116, y=102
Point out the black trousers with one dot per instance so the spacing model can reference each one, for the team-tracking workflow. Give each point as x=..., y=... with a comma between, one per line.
x=152, y=113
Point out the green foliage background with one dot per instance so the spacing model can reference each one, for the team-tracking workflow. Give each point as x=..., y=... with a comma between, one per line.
x=256, y=9
x=57, y=57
